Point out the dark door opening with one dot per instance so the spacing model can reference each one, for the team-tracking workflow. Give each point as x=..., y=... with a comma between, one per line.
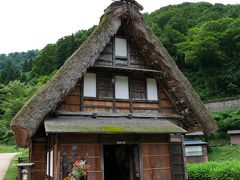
x=121, y=162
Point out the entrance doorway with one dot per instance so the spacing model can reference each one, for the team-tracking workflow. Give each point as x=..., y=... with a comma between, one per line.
x=121, y=162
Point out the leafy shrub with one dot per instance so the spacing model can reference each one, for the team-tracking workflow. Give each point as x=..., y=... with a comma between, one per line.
x=199, y=172
x=225, y=170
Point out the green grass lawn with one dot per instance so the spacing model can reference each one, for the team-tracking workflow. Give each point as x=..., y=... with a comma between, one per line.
x=12, y=169
x=224, y=153
x=10, y=149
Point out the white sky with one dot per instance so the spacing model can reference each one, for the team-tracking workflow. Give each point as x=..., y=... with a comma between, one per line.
x=32, y=24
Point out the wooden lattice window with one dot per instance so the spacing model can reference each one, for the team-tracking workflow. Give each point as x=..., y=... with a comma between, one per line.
x=105, y=87
x=138, y=89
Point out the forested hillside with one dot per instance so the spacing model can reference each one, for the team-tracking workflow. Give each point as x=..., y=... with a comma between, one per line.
x=17, y=58
x=13, y=63
x=203, y=39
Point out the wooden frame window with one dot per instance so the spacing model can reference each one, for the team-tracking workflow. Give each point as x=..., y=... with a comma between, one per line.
x=120, y=48
x=105, y=86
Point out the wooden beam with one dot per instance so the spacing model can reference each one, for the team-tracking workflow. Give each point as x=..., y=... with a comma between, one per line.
x=128, y=69
x=134, y=115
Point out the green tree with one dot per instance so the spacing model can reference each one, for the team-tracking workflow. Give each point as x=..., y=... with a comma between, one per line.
x=201, y=49
x=9, y=73
x=64, y=49
x=44, y=63
x=12, y=97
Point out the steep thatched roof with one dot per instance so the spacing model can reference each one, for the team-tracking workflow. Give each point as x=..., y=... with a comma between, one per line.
x=30, y=117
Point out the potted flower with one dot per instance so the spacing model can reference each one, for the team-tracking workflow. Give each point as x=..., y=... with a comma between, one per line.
x=80, y=169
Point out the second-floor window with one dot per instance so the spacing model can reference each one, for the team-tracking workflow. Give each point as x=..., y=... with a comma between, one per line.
x=119, y=87
x=89, y=87
x=152, y=92
x=138, y=89
x=105, y=87
x=120, y=48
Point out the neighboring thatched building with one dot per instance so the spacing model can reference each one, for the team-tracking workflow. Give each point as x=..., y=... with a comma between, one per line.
x=119, y=101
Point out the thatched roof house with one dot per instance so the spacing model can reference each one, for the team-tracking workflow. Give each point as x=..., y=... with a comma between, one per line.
x=29, y=118
x=191, y=112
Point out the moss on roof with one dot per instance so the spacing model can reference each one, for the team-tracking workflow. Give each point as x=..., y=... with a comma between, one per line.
x=110, y=125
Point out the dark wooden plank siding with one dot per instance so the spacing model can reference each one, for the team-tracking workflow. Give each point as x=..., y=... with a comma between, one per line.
x=156, y=161
x=38, y=157
x=155, y=153
x=135, y=58
x=72, y=104
x=106, y=57
x=72, y=101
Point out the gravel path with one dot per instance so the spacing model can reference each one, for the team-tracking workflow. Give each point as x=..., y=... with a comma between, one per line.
x=5, y=159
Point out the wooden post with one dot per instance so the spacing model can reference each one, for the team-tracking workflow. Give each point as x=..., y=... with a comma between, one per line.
x=184, y=158
x=141, y=161
x=64, y=165
x=57, y=158
x=102, y=160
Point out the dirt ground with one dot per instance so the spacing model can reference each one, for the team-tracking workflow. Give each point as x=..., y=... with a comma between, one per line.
x=5, y=159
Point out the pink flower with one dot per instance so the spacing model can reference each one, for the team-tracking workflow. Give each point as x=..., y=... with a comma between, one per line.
x=77, y=163
x=80, y=168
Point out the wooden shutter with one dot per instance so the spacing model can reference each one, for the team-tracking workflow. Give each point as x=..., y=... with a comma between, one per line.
x=121, y=87
x=38, y=157
x=120, y=47
x=156, y=161
x=89, y=87
x=152, y=93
